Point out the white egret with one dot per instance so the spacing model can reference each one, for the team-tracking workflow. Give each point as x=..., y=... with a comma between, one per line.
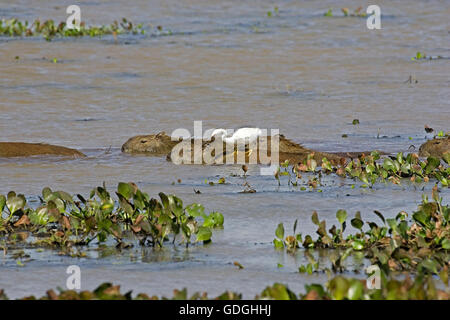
x=246, y=134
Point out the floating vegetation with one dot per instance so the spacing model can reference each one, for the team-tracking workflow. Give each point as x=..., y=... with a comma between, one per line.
x=337, y=288
x=60, y=221
x=212, y=183
x=419, y=56
x=356, y=13
x=423, y=56
x=273, y=13
x=329, y=13
x=421, y=244
x=49, y=30
x=370, y=169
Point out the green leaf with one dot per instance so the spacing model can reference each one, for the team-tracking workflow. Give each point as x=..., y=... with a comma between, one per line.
x=46, y=193
x=356, y=221
x=279, y=244
x=392, y=223
x=431, y=265
x=315, y=218
x=446, y=157
x=338, y=287
x=357, y=245
x=446, y=243
x=279, y=232
x=2, y=203
x=370, y=168
x=278, y=292
x=64, y=196
x=204, y=234
x=388, y=164
x=421, y=217
x=164, y=200
x=219, y=218
x=125, y=189
x=378, y=213
x=432, y=163
x=15, y=203
x=195, y=210
x=39, y=216
x=176, y=205
x=215, y=219
x=356, y=290
x=400, y=157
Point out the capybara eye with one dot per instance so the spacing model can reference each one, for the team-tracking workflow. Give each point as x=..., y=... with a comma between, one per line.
x=143, y=141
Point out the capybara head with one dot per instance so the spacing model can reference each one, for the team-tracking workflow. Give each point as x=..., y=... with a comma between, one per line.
x=154, y=144
x=435, y=147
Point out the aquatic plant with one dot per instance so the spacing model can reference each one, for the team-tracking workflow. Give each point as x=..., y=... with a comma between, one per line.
x=49, y=29
x=356, y=13
x=371, y=169
x=62, y=221
x=423, y=56
x=274, y=12
x=422, y=244
x=337, y=288
x=340, y=288
x=419, y=56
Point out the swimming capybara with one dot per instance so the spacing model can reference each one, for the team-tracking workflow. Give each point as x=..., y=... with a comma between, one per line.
x=435, y=147
x=161, y=143
x=152, y=144
x=24, y=149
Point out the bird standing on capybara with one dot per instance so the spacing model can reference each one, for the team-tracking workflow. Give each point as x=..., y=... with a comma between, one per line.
x=23, y=149
x=435, y=147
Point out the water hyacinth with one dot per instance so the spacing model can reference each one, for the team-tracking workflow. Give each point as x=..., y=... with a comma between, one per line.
x=62, y=221
x=371, y=169
x=337, y=288
x=421, y=244
x=49, y=29
x=356, y=13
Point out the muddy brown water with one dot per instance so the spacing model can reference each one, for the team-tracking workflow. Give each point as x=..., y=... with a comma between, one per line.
x=228, y=64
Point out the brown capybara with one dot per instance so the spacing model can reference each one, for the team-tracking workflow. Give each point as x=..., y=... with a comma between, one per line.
x=435, y=147
x=161, y=143
x=23, y=149
x=152, y=144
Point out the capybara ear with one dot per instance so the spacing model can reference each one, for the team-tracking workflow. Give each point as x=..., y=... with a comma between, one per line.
x=162, y=133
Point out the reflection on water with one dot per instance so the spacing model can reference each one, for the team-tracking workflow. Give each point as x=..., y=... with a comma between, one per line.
x=229, y=64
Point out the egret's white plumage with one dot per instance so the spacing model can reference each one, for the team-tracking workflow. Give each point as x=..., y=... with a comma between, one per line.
x=246, y=134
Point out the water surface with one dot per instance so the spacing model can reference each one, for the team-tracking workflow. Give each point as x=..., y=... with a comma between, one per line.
x=228, y=64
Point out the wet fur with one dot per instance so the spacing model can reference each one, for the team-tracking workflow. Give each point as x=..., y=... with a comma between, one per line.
x=160, y=144
x=435, y=147
x=22, y=149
